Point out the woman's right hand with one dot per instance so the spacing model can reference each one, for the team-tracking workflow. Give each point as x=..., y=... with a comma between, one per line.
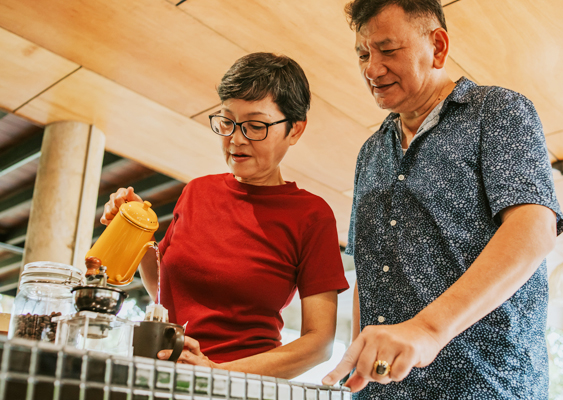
x=115, y=201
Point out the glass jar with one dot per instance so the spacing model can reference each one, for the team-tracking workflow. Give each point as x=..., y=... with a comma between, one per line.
x=45, y=293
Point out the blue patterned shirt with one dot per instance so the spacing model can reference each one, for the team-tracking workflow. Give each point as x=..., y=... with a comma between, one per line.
x=419, y=220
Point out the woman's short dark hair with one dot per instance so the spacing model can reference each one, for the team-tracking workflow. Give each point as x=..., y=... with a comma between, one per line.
x=359, y=12
x=257, y=75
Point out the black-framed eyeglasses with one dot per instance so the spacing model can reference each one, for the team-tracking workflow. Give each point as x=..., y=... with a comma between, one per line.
x=252, y=130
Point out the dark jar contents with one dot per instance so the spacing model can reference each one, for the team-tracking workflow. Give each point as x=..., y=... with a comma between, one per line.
x=36, y=327
x=45, y=293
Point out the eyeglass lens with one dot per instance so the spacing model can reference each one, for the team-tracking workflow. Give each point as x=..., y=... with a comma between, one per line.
x=254, y=130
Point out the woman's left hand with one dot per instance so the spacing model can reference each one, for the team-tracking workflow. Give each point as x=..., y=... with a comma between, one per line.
x=190, y=355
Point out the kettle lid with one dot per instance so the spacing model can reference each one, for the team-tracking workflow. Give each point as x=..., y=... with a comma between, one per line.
x=140, y=214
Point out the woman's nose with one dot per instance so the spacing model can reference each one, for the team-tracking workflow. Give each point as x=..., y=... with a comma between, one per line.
x=238, y=138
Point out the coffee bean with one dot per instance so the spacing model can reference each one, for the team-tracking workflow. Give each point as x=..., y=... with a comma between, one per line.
x=36, y=327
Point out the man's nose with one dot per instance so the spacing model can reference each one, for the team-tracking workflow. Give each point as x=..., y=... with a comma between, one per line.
x=375, y=68
x=238, y=138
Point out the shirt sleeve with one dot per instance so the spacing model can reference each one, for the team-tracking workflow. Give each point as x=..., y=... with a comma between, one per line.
x=515, y=164
x=320, y=269
x=352, y=231
x=165, y=242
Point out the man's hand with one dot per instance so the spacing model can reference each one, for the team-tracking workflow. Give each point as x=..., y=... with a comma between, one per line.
x=404, y=346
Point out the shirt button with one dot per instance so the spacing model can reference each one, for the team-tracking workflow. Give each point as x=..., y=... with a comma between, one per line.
x=385, y=268
x=393, y=222
x=401, y=177
x=381, y=319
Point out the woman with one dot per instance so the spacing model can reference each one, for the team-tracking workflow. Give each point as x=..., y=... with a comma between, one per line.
x=240, y=244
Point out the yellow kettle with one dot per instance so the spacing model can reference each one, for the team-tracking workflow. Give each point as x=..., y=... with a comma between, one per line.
x=125, y=241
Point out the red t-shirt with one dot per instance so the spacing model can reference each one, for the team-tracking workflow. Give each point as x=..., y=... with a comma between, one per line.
x=234, y=256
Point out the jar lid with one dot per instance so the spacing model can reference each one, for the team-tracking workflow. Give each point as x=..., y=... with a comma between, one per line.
x=140, y=214
x=49, y=270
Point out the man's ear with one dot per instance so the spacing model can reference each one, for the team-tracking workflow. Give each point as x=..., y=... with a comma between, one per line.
x=296, y=131
x=441, y=41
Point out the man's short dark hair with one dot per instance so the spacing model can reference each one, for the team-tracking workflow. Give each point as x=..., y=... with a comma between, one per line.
x=257, y=75
x=359, y=12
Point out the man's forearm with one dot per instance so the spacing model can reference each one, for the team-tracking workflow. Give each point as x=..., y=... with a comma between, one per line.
x=525, y=237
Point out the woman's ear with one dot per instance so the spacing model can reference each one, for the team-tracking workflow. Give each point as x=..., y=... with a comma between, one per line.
x=296, y=131
x=441, y=47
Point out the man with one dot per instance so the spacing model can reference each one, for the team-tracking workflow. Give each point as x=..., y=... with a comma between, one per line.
x=454, y=212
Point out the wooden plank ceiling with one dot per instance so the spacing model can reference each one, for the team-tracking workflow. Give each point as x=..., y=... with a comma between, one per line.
x=145, y=72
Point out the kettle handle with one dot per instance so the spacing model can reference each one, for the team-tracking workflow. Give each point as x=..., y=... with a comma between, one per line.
x=140, y=256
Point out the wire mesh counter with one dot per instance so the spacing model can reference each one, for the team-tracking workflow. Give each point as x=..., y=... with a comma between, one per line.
x=32, y=370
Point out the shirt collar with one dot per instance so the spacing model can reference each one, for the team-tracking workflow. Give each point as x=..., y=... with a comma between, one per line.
x=461, y=92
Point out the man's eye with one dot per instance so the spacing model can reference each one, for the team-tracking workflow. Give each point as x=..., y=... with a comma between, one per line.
x=363, y=57
x=257, y=127
x=388, y=52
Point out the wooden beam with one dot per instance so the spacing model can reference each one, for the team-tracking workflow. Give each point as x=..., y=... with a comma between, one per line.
x=10, y=264
x=10, y=283
x=147, y=46
x=18, y=201
x=11, y=248
x=141, y=130
x=144, y=188
x=27, y=69
x=9, y=271
x=22, y=199
x=16, y=235
x=20, y=155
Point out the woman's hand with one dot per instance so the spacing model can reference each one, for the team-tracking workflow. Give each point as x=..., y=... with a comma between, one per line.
x=402, y=346
x=116, y=199
x=190, y=355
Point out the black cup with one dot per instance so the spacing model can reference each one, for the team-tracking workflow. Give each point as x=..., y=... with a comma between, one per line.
x=152, y=336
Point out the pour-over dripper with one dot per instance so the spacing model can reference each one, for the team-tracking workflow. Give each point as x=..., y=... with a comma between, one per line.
x=156, y=312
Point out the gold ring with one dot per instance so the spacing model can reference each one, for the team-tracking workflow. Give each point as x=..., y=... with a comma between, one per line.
x=381, y=367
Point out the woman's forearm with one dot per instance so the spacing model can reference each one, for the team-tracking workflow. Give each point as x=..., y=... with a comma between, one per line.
x=318, y=327
x=149, y=272
x=287, y=361
x=525, y=237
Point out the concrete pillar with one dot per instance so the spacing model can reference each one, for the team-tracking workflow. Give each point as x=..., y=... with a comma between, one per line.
x=63, y=209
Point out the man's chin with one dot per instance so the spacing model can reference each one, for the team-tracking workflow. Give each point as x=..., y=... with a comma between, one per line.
x=384, y=104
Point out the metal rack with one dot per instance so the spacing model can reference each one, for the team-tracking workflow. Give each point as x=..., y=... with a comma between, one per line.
x=32, y=370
